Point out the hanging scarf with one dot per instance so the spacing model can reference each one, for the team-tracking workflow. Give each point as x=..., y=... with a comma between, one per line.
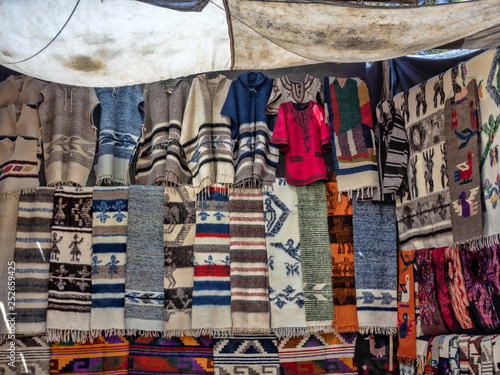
x=70, y=282
x=372, y=354
x=250, y=309
x=211, y=286
x=350, y=117
x=314, y=240
x=475, y=355
x=109, y=230
x=342, y=250
x=487, y=366
x=286, y=292
x=339, y=353
x=463, y=353
x=453, y=358
x=144, y=296
x=407, y=349
x=32, y=257
x=255, y=354
x=375, y=254
x=179, y=231
x=119, y=124
x=32, y=356
x=302, y=353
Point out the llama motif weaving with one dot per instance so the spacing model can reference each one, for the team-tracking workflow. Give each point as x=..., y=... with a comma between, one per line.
x=286, y=293
x=211, y=287
x=109, y=230
x=316, y=256
x=32, y=356
x=144, y=293
x=407, y=329
x=179, y=232
x=32, y=257
x=250, y=309
x=70, y=273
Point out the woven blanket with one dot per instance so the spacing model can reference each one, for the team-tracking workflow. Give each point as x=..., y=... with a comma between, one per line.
x=453, y=356
x=444, y=353
x=496, y=354
x=109, y=230
x=342, y=249
x=435, y=345
x=211, y=287
x=31, y=355
x=251, y=354
x=487, y=366
x=316, y=256
x=406, y=368
x=159, y=152
x=104, y=355
x=463, y=353
x=422, y=340
x=70, y=291
x=179, y=231
x=175, y=355
x=286, y=293
x=349, y=116
x=339, y=353
x=372, y=354
x=144, y=293
x=375, y=253
x=119, y=128
x=475, y=355
x=250, y=308
x=32, y=257
x=407, y=349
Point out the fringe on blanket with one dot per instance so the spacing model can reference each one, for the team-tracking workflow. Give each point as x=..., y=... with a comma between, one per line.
x=16, y=193
x=179, y=333
x=108, y=180
x=378, y=331
x=94, y=333
x=363, y=193
x=140, y=332
x=325, y=329
x=55, y=334
x=213, y=332
x=290, y=331
x=243, y=330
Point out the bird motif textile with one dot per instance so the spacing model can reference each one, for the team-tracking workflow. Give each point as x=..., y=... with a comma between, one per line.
x=407, y=331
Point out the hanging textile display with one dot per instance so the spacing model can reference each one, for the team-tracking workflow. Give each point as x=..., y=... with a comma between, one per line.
x=339, y=353
x=255, y=158
x=422, y=340
x=444, y=353
x=463, y=353
x=453, y=356
x=144, y=296
x=109, y=259
x=250, y=308
x=487, y=366
x=349, y=117
x=32, y=257
x=316, y=257
x=375, y=254
x=179, y=231
x=255, y=354
x=407, y=329
x=496, y=353
x=406, y=368
x=159, y=153
x=211, y=311
x=492, y=259
x=475, y=355
x=206, y=134
x=68, y=133
x=119, y=128
x=302, y=353
x=345, y=318
x=32, y=356
x=372, y=354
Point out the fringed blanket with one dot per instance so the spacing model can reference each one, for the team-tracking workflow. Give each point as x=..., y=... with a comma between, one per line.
x=109, y=230
x=286, y=292
x=32, y=356
x=32, y=257
x=316, y=256
x=179, y=232
x=375, y=254
x=351, y=128
x=144, y=293
x=407, y=330
x=250, y=309
x=119, y=128
x=211, y=287
x=70, y=291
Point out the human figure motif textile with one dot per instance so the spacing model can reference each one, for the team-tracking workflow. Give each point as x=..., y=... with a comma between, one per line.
x=407, y=330
x=32, y=355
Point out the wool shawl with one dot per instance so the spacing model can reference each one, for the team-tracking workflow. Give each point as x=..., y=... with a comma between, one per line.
x=21, y=89
x=144, y=293
x=119, y=128
x=32, y=356
x=285, y=90
x=68, y=133
x=316, y=256
x=407, y=330
x=32, y=257
x=109, y=235
x=255, y=158
x=206, y=134
x=179, y=233
x=375, y=254
x=70, y=291
x=349, y=117
x=160, y=156
x=284, y=259
x=250, y=308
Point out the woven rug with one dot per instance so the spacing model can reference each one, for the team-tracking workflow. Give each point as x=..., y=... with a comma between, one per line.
x=103, y=355
x=32, y=257
x=463, y=353
x=339, y=353
x=475, y=355
x=32, y=356
x=211, y=286
x=179, y=231
x=246, y=354
x=302, y=355
x=375, y=254
x=407, y=350
x=342, y=249
x=422, y=340
x=144, y=293
x=175, y=355
x=286, y=293
x=453, y=356
x=109, y=235
x=70, y=282
x=316, y=259
x=372, y=354
x=496, y=354
x=487, y=366
x=250, y=308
